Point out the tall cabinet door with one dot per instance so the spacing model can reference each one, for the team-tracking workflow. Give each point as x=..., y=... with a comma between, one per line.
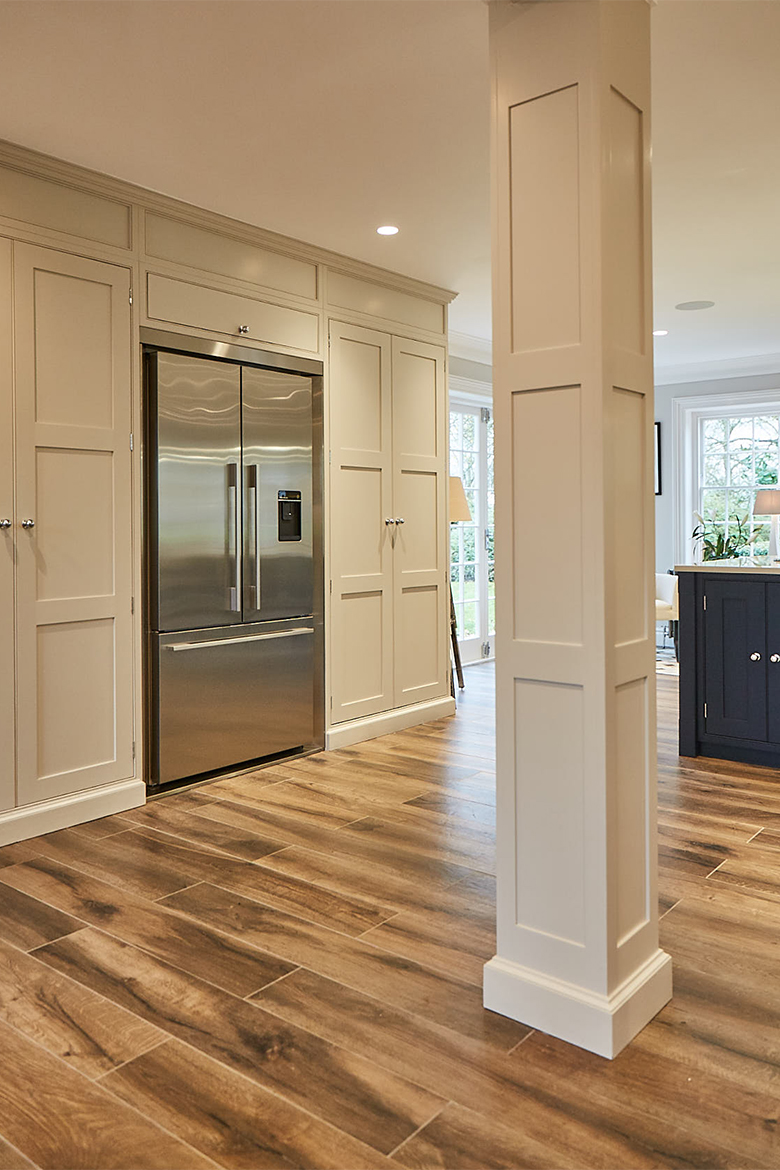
x=361, y=651
x=7, y=744
x=73, y=534
x=735, y=670
x=420, y=483
x=773, y=660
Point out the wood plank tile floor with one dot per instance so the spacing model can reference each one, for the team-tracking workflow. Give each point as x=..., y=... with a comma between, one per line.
x=283, y=970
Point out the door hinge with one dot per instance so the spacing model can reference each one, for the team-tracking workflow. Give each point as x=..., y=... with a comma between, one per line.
x=131, y=440
x=330, y=457
x=331, y=586
x=485, y=649
x=484, y=414
x=133, y=749
x=331, y=702
x=705, y=710
x=704, y=599
x=130, y=297
x=132, y=605
x=487, y=544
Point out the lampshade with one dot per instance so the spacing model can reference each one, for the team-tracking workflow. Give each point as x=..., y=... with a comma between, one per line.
x=459, y=505
x=767, y=502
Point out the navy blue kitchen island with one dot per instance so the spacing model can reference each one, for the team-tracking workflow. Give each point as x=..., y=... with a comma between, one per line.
x=729, y=654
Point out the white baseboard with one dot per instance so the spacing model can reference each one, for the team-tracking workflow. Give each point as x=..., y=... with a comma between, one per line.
x=599, y=1023
x=345, y=734
x=18, y=824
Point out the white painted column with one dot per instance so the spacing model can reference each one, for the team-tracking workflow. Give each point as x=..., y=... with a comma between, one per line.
x=578, y=952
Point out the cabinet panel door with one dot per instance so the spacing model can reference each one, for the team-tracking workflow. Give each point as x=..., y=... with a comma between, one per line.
x=74, y=567
x=420, y=597
x=773, y=668
x=734, y=683
x=361, y=649
x=7, y=742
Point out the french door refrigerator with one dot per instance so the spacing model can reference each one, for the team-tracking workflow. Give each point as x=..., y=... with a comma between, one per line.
x=233, y=555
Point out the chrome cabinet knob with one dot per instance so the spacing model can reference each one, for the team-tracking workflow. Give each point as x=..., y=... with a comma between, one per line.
x=5, y=523
x=243, y=329
x=390, y=521
x=28, y=523
x=774, y=657
x=399, y=519
x=755, y=656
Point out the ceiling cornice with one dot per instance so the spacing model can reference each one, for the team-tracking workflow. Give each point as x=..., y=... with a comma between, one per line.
x=472, y=349
x=764, y=363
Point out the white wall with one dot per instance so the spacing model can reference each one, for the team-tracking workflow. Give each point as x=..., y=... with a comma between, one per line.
x=664, y=504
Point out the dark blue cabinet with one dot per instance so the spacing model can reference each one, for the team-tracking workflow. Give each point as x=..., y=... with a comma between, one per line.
x=734, y=657
x=730, y=666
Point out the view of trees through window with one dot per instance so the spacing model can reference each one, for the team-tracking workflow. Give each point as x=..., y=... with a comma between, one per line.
x=738, y=456
x=471, y=545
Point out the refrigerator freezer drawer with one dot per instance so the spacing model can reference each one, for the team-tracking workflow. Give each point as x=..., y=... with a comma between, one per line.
x=227, y=700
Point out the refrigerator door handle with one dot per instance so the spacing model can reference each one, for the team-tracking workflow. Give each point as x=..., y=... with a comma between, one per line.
x=234, y=641
x=233, y=536
x=252, y=475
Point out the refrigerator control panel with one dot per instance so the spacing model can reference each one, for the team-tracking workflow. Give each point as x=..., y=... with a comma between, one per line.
x=289, y=504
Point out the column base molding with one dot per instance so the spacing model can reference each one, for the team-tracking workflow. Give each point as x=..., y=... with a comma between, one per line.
x=19, y=824
x=356, y=730
x=603, y=1024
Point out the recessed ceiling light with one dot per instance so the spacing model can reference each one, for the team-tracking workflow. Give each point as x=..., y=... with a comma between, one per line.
x=387, y=230
x=660, y=332
x=691, y=305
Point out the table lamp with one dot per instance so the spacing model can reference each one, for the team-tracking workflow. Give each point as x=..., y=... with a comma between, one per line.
x=768, y=504
x=459, y=505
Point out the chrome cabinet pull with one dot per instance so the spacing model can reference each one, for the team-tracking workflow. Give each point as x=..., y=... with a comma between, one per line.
x=755, y=656
x=390, y=521
x=28, y=523
x=243, y=329
x=5, y=524
x=399, y=519
x=774, y=658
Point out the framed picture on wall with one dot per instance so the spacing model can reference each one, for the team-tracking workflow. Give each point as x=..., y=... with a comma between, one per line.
x=657, y=449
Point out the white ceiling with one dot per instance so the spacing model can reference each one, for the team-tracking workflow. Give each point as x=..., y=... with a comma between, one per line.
x=323, y=118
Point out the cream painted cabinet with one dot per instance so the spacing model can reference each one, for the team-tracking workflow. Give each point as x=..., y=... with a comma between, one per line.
x=71, y=534
x=388, y=646
x=7, y=745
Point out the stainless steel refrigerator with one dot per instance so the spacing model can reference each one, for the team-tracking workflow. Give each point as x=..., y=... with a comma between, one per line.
x=233, y=474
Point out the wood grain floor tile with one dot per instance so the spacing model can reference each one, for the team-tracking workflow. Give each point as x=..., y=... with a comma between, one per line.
x=158, y=815
x=459, y=1139
x=12, y=1159
x=59, y=1119
x=351, y=915
x=129, y=860
x=381, y=855
x=103, y=827
x=234, y=1121
x=13, y=854
x=352, y=878
x=85, y=1031
x=400, y=982
x=450, y=805
x=352, y=1093
x=227, y=962
x=27, y=922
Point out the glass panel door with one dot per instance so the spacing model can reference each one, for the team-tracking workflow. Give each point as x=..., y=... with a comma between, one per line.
x=471, y=543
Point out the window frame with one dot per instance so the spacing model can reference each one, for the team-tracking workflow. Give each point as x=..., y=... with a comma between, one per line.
x=471, y=648
x=687, y=416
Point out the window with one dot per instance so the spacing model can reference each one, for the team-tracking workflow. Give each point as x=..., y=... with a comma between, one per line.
x=738, y=455
x=725, y=446
x=471, y=544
